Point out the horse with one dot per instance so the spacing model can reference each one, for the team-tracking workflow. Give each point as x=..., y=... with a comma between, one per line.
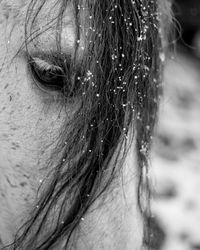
x=80, y=89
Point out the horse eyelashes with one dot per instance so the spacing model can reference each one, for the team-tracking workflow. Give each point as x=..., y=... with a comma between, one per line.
x=48, y=76
x=56, y=72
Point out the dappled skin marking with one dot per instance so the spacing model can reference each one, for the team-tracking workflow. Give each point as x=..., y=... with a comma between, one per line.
x=27, y=126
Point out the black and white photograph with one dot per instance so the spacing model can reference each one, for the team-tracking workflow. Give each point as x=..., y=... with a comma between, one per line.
x=99, y=124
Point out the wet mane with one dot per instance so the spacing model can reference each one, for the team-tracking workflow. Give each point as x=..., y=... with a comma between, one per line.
x=118, y=88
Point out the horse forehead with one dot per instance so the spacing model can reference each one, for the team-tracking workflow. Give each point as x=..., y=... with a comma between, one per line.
x=12, y=7
x=13, y=13
x=18, y=8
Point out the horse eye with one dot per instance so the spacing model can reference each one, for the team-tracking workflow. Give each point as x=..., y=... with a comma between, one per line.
x=48, y=76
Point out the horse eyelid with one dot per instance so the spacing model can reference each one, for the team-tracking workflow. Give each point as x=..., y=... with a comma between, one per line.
x=44, y=65
x=60, y=62
x=38, y=68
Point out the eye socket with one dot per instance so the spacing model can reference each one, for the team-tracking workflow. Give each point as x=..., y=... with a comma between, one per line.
x=48, y=76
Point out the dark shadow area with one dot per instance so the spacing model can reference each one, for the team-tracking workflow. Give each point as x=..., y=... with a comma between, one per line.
x=187, y=15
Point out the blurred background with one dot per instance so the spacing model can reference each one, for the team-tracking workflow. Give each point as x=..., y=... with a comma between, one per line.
x=176, y=154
